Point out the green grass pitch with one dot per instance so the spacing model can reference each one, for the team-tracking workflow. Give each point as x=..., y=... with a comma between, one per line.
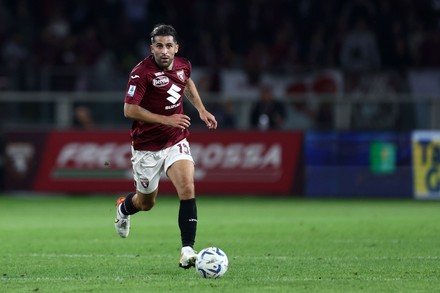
x=68, y=244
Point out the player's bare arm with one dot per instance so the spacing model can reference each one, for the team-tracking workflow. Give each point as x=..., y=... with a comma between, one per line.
x=193, y=96
x=138, y=113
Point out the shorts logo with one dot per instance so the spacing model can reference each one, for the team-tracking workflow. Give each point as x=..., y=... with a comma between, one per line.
x=161, y=81
x=131, y=90
x=145, y=183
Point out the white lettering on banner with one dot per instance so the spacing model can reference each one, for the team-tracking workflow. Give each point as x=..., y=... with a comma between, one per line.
x=93, y=155
x=253, y=156
x=232, y=156
x=272, y=157
x=237, y=155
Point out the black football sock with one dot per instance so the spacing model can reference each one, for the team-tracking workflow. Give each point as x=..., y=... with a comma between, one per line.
x=127, y=206
x=188, y=221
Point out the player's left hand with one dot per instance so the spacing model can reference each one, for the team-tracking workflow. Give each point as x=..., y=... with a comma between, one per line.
x=209, y=119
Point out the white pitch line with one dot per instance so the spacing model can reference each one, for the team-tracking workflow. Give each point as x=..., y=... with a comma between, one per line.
x=119, y=279
x=78, y=255
x=238, y=257
x=62, y=279
x=274, y=257
x=333, y=258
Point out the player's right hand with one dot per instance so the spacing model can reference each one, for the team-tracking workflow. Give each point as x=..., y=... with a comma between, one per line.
x=181, y=121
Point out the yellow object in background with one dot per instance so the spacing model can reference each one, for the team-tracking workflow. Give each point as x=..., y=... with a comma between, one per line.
x=426, y=164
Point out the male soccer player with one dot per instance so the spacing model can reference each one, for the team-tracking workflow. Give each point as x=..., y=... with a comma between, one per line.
x=153, y=101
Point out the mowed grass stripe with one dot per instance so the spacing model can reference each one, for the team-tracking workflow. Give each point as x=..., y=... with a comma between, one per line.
x=68, y=244
x=275, y=257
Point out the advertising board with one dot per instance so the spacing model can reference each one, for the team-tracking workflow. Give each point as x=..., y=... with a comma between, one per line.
x=426, y=162
x=358, y=164
x=227, y=162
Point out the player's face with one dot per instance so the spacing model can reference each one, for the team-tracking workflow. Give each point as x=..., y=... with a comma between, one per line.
x=163, y=49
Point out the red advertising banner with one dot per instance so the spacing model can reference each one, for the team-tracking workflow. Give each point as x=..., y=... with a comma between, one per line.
x=23, y=150
x=86, y=161
x=227, y=162
x=246, y=162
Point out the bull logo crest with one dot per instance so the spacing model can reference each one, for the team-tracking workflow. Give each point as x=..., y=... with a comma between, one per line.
x=181, y=75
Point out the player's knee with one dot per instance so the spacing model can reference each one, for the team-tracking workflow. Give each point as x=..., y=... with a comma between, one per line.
x=187, y=191
x=145, y=202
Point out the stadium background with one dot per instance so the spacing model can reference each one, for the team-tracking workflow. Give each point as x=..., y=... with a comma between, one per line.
x=362, y=100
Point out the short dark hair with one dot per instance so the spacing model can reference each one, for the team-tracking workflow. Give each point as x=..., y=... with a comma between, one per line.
x=163, y=30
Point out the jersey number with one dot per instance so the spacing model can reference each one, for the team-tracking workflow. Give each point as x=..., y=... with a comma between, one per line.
x=183, y=148
x=174, y=92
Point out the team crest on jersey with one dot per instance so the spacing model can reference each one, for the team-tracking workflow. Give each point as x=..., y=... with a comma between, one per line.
x=161, y=81
x=181, y=75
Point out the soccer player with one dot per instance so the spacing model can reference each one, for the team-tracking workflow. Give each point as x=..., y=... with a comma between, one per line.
x=153, y=100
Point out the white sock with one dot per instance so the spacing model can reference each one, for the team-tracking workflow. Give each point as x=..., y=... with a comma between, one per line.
x=187, y=249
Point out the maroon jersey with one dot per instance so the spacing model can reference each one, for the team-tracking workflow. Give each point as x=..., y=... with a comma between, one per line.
x=160, y=92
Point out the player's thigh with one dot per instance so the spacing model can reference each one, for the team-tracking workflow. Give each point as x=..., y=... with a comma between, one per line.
x=147, y=168
x=181, y=174
x=179, y=167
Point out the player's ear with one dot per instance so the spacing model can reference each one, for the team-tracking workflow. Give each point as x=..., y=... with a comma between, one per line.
x=177, y=48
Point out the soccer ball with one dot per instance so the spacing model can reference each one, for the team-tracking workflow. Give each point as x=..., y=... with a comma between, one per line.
x=212, y=263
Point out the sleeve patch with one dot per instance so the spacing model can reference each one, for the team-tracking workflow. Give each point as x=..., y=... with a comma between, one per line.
x=131, y=90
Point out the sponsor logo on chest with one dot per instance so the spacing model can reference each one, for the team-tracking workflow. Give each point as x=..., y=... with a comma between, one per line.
x=161, y=81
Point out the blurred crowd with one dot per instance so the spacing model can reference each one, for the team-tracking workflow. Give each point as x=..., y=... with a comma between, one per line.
x=59, y=45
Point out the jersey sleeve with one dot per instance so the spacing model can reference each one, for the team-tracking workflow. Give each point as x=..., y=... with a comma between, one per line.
x=189, y=68
x=136, y=87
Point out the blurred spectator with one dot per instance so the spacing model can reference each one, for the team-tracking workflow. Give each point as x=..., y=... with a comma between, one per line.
x=284, y=51
x=256, y=62
x=429, y=50
x=55, y=37
x=225, y=115
x=384, y=112
x=209, y=81
x=206, y=54
x=227, y=56
x=319, y=49
x=391, y=35
x=401, y=56
x=137, y=13
x=267, y=113
x=83, y=118
x=416, y=35
x=89, y=48
x=327, y=87
x=303, y=114
x=310, y=112
x=58, y=25
x=360, y=51
x=13, y=56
